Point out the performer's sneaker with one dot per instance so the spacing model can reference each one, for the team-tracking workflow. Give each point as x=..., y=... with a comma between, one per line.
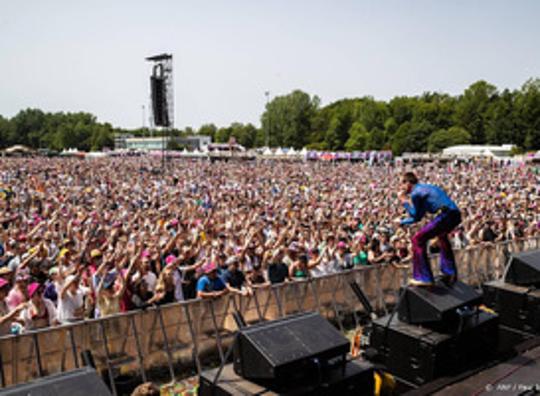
x=418, y=282
x=448, y=280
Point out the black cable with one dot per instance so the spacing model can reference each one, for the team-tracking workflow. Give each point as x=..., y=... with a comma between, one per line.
x=393, y=313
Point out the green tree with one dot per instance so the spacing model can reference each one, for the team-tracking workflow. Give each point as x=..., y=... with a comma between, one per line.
x=6, y=132
x=245, y=135
x=500, y=124
x=443, y=138
x=471, y=109
x=223, y=134
x=287, y=119
x=338, y=130
x=28, y=127
x=208, y=130
x=358, y=137
x=101, y=137
x=411, y=137
x=528, y=113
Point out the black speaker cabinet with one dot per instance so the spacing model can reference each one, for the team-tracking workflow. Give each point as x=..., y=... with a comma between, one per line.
x=437, y=303
x=288, y=347
x=419, y=355
x=159, y=101
x=524, y=269
x=80, y=382
x=518, y=307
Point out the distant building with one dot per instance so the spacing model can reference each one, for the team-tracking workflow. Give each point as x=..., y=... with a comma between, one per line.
x=226, y=147
x=120, y=140
x=193, y=142
x=476, y=150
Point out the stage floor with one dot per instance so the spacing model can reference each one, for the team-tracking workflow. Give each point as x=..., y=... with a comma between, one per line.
x=513, y=377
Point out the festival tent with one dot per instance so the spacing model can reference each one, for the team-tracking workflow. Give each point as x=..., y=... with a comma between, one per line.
x=19, y=150
x=72, y=152
x=278, y=152
x=96, y=154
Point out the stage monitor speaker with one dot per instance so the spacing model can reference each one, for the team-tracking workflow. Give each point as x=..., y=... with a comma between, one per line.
x=288, y=347
x=80, y=382
x=523, y=269
x=437, y=303
x=159, y=101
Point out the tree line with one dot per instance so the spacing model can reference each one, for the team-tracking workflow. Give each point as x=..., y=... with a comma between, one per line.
x=482, y=114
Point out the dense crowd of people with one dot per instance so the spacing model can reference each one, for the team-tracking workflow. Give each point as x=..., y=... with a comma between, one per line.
x=90, y=238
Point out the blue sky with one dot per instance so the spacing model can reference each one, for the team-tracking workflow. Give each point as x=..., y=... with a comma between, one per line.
x=61, y=55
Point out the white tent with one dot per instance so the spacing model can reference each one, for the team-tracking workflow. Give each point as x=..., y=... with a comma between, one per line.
x=292, y=151
x=477, y=150
x=96, y=154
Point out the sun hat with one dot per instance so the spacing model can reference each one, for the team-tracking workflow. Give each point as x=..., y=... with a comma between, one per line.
x=209, y=267
x=95, y=253
x=3, y=282
x=33, y=288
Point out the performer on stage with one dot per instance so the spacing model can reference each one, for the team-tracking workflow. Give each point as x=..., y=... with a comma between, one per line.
x=432, y=199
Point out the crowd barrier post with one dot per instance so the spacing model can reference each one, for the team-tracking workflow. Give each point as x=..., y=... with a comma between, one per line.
x=165, y=342
x=255, y=298
x=194, y=338
x=73, y=347
x=107, y=356
x=138, y=347
x=216, y=330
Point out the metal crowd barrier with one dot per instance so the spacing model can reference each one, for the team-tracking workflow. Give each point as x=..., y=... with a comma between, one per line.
x=162, y=341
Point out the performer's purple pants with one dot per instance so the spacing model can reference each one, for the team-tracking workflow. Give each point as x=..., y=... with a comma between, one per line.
x=439, y=227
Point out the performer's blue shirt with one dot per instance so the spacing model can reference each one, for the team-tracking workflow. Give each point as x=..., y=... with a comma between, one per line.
x=426, y=198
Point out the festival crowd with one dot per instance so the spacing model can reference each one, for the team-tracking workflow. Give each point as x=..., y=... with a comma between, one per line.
x=90, y=238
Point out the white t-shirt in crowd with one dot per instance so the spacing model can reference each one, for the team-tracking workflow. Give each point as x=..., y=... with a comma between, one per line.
x=71, y=303
x=149, y=278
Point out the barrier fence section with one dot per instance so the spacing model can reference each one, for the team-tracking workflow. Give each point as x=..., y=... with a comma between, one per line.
x=179, y=335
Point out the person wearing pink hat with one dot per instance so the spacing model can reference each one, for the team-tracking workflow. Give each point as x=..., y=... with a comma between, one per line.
x=19, y=292
x=210, y=284
x=40, y=312
x=342, y=258
x=7, y=315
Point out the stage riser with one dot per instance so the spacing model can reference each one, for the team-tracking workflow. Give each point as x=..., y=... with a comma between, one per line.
x=518, y=307
x=419, y=355
x=356, y=379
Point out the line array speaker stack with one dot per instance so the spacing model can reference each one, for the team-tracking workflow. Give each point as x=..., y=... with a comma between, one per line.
x=298, y=354
x=516, y=298
x=438, y=331
x=159, y=101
